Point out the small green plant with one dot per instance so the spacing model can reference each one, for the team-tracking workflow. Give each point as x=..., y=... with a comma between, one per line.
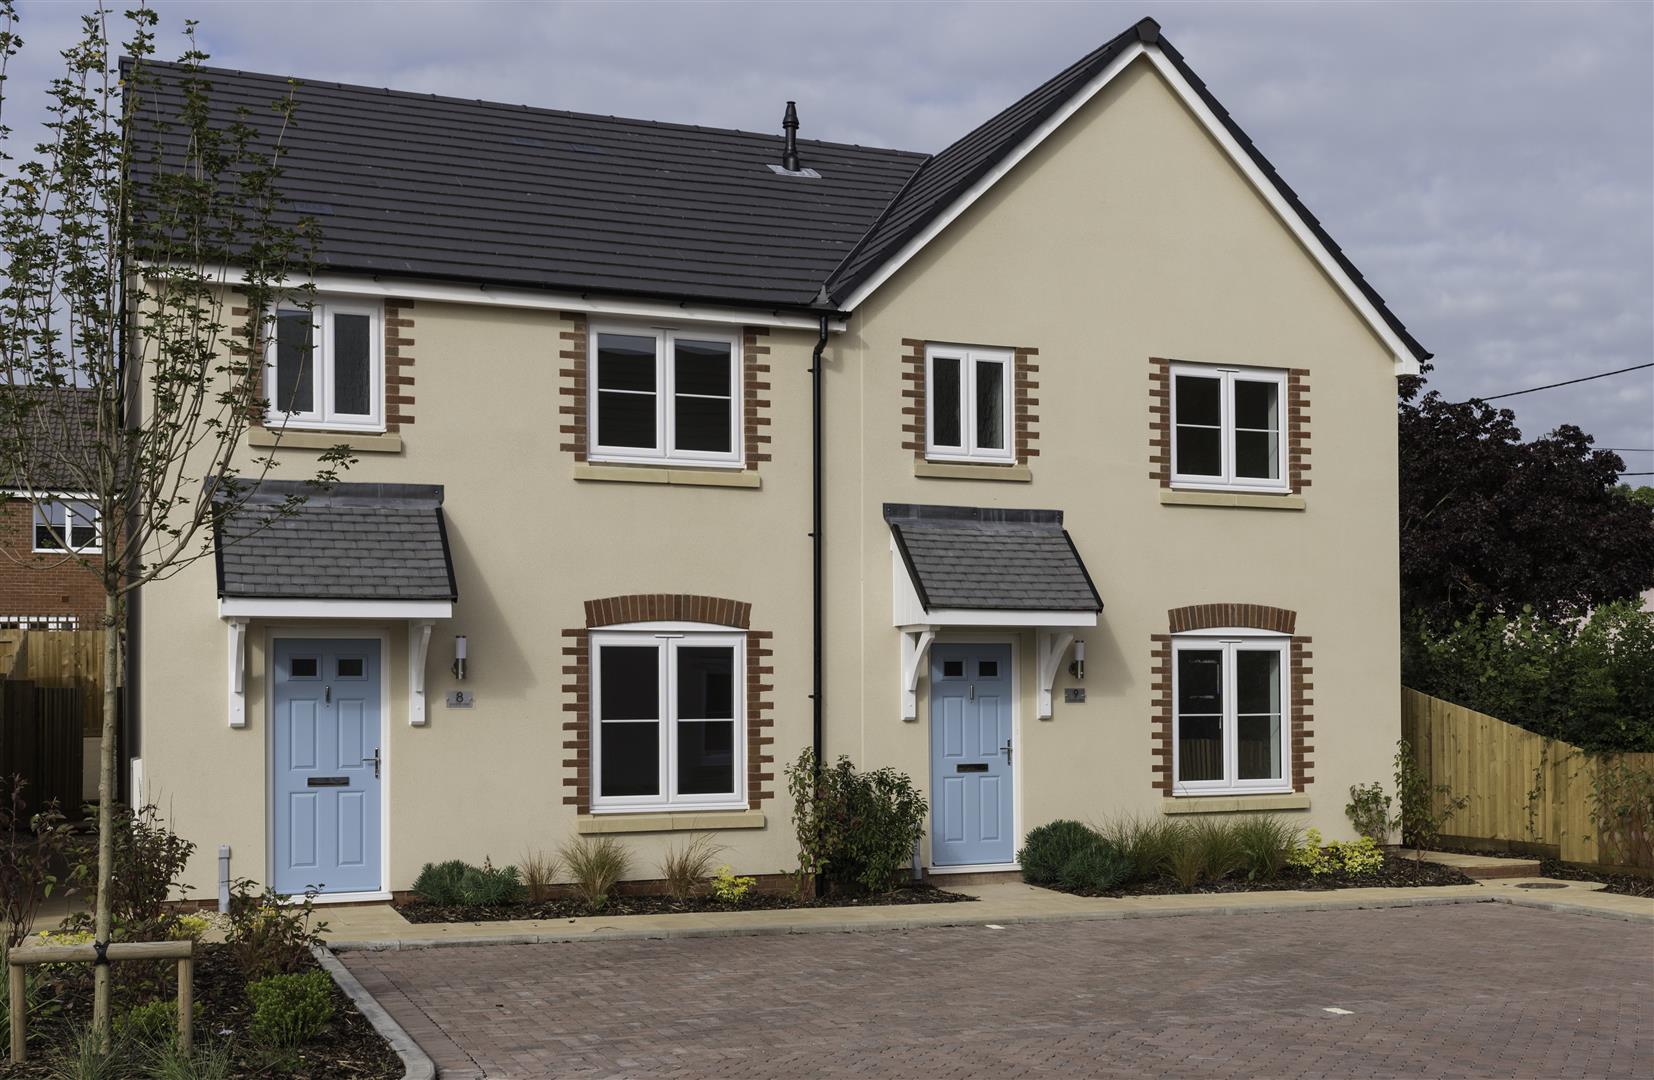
x=440, y=883
x=1187, y=861
x=211, y=1060
x=597, y=864
x=1048, y=848
x=1147, y=842
x=488, y=886
x=89, y=1056
x=1221, y=850
x=1417, y=815
x=685, y=868
x=150, y=1024
x=1622, y=812
x=539, y=874
x=190, y=927
x=1266, y=843
x=1351, y=858
x=30, y=848
x=1369, y=810
x=290, y=1010
x=270, y=933
x=729, y=888
x=856, y=829
x=1096, y=868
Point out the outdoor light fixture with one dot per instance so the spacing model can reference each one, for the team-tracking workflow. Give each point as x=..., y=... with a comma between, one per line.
x=459, y=657
x=1077, y=668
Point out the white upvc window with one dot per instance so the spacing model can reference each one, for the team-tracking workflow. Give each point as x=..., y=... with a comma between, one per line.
x=1230, y=716
x=1228, y=428
x=968, y=404
x=325, y=365
x=668, y=713
x=664, y=395
x=66, y=525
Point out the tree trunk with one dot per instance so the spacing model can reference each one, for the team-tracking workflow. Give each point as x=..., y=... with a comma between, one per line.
x=106, y=813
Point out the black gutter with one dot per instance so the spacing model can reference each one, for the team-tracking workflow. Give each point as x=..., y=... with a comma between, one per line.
x=815, y=541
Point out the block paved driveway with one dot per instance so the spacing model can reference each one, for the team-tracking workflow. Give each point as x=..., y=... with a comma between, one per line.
x=1473, y=990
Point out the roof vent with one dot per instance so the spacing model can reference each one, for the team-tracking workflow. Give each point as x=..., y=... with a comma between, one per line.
x=789, y=152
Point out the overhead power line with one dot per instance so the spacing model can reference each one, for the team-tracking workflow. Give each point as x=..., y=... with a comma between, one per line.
x=1568, y=382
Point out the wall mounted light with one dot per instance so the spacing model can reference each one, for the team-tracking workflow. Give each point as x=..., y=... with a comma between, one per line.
x=1077, y=668
x=459, y=657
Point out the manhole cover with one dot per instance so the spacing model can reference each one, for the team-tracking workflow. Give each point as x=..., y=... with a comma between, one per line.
x=1543, y=885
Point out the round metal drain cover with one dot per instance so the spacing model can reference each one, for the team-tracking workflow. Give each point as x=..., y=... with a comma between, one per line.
x=1543, y=885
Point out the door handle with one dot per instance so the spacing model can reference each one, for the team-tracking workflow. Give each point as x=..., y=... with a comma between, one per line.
x=327, y=695
x=1006, y=750
x=375, y=760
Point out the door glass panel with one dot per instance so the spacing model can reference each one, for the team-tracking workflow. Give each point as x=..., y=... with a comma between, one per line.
x=631, y=759
x=351, y=667
x=295, y=357
x=352, y=382
x=629, y=686
x=706, y=757
x=706, y=682
x=944, y=410
x=987, y=669
x=990, y=405
x=1199, y=714
x=953, y=669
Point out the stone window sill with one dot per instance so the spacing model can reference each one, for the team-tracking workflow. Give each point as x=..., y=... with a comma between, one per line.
x=947, y=470
x=265, y=438
x=1232, y=804
x=593, y=824
x=1252, y=500
x=667, y=474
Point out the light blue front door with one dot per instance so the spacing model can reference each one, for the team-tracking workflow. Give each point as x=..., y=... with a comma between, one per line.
x=325, y=765
x=972, y=810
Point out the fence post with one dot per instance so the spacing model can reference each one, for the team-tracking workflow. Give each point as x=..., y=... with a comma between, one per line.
x=186, y=1003
x=17, y=982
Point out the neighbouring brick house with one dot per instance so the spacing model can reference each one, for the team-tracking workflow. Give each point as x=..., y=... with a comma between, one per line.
x=729, y=444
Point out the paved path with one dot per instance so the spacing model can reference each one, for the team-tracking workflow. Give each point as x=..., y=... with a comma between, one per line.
x=1468, y=990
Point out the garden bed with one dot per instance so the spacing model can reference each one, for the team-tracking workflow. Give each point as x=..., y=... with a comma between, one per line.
x=348, y=1048
x=419, y=911
x=1623, y=884
x=1397, y=872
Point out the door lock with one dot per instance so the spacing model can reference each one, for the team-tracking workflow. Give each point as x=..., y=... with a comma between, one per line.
x=1006, y=750
x=375, y=760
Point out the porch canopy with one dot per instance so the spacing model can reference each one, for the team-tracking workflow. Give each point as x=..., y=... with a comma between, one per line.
x=294, y=551
x=973, y=566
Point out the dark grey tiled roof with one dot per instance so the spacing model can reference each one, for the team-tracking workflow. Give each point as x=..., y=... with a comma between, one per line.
x=353, y=542
x=418, y=185
x=991, y=559
x=61, y=445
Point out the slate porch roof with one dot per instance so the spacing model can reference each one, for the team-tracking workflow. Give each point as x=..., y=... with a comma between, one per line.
x=352, y=542
x=991, y=559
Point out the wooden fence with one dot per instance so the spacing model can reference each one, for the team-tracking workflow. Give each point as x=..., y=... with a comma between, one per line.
x=40, y=739
x=1527, y=792
x=59, y=658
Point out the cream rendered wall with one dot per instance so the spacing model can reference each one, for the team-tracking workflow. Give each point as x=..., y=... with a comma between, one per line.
x=530, y=545
x=1127, y=235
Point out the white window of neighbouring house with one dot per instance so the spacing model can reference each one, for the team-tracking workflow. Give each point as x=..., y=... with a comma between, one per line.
x=1228, y=428
x=325, y=366
x=667, y=720
x=968, y=404
x=66, y=524
x=1230, y=724
x=661, y=395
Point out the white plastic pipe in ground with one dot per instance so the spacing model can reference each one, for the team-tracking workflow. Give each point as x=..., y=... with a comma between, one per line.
x=224, y=878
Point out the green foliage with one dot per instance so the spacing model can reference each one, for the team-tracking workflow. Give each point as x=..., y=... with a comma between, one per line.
x=1417, y=815
x=857, y=829
x=1266, y=843
x=1590, y=682
x=685, y=868
x=1097, y=867
x=31, y=846
x=729, y=888
x=290, y=1010
x=148, y=870
x=1049, y=848
x=1369, y=810
x=488, y=886
x=597, y=864
x=150, y=1024
x=1622, y=812
x=539, y=873
x=212, y=1060
x=1350, y=858
x=439, y=883
x=269, y=933
x=1220, y=847
x=1147, y=842
x=89, y=1056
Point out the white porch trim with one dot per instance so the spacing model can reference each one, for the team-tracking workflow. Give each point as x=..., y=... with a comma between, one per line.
x=419, y=645
x=1053, y=646
x=915, y=647
x=271, y=608
x=238, y=671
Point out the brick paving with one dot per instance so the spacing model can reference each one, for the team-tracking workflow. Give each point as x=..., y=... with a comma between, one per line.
x=1475, y=990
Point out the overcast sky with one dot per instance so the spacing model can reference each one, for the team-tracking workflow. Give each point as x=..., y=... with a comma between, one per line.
x=1489, y=166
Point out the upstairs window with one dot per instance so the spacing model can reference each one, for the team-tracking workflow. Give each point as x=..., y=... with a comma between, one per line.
x=1227, y=428
x=66, y=525
x=325, y=366
x=1229, y=719
x=968, y=402
x=662, y=395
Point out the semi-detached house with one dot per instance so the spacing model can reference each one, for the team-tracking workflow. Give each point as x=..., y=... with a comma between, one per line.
x=1056, y=469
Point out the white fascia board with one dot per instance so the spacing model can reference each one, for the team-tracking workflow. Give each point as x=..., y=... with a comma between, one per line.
x=44, y=493
x=262, y=608
x=1405, y=362
x=543, y=300
x=943, y=618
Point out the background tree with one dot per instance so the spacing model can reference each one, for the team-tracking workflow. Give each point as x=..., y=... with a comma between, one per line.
x=122, y=254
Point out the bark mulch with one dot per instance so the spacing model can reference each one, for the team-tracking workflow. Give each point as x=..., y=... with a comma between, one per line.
x=1624, y=884
x=1397, y=872
x=417, y=911
x=348, y=1049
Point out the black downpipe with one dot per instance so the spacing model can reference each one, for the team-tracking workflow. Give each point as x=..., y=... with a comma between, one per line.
x=815, y=539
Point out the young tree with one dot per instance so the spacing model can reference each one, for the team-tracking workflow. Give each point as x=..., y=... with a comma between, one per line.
x=130, y=234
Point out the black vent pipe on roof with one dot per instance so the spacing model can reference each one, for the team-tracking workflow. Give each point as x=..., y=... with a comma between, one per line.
x=789, y=124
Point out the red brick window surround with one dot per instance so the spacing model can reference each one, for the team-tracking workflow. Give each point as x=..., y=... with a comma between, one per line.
x=717, y=614
x=1024, y=402
x=1299, y=675
x=1296, y=419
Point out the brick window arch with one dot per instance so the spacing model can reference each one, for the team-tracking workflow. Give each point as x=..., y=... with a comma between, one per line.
x=715, y=612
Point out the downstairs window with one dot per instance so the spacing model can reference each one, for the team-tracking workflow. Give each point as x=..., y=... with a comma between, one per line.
x=1229, y=722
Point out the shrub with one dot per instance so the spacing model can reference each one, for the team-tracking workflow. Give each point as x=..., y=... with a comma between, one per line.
x=486, y=886
x=857, y=829
x=1185, y=859
x=440, y=883
x=1369, y=810
x=211, y=1060
x=146, y=873
x=539, y=873
x=190, y=927
x=1221, y=851
x=685, y=868
x=1266, y=843
x=1098, y=867
x=89, y=1057
x=1352, y=858
x=271, y=934
x=1622, y=812
x=729, y=888
x=290, y=1010
x=597, y=864
x=1147, y=842
x=151, y=1024
x=1417, y=817
x=30, y=847
x=1048, y=849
